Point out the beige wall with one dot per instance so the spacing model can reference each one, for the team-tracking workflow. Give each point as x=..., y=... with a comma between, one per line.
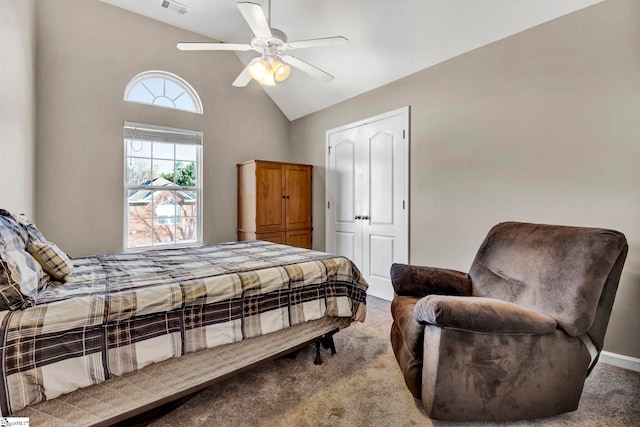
x=542, y=126
x=87, y=52
x=17, y=105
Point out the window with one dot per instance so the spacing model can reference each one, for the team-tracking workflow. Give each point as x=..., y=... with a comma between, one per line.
x=163, y=190
x=163, y=89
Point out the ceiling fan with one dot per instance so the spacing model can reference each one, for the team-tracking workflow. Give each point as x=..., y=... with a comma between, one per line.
x=272, y=66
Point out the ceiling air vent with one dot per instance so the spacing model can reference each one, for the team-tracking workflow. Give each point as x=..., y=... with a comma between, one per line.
x=174, y=6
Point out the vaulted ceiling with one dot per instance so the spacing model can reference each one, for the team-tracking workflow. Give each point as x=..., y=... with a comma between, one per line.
x=388, y=39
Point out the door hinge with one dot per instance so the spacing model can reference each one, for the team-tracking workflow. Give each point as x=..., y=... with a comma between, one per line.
x=404, y=135
x=329, y=150
x=403, y=205
x=328, y=205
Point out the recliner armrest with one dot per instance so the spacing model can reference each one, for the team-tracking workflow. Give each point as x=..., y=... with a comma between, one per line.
x=418, y=281
x=478, y=314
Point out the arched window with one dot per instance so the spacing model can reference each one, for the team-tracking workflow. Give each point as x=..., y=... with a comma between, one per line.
x=163, y=89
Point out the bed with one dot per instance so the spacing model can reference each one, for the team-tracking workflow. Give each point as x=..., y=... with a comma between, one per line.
x=94, y=340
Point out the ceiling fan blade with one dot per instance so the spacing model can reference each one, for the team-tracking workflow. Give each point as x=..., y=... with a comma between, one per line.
x=326, y=41
x=213, y=46
x=307, y=68
x=254, y=16
x=243, y=78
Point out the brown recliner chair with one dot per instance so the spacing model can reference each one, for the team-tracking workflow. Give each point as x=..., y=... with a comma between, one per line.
x=517, y=336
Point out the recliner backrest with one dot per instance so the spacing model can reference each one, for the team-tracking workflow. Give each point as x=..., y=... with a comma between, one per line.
x=559, y=271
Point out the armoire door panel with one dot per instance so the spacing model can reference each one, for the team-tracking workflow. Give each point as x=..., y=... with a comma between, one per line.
x=270, y=204
x=272, y=237
x=298, y=197
x=299, y=238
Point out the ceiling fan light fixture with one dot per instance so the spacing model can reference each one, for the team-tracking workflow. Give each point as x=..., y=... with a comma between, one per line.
x=281, y=70
x=269, y=79
x=268, y=72
x=257, y=69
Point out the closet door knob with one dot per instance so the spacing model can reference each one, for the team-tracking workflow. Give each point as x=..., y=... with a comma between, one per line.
x=365, y=217
x=357, y=217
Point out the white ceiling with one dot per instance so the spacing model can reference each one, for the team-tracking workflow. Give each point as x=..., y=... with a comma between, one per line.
x=386, y=43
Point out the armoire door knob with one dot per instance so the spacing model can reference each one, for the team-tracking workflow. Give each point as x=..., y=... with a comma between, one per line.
x=357, y=217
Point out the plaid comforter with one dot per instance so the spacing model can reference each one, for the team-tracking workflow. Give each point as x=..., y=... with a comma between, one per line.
x=120, y=312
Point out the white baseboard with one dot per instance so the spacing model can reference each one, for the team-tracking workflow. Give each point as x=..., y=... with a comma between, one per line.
x=620, y=360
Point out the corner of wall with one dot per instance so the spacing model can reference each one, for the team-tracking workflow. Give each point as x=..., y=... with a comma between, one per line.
x=17, y=120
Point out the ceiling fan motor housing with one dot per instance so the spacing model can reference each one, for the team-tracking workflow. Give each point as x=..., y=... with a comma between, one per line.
x=277, y=43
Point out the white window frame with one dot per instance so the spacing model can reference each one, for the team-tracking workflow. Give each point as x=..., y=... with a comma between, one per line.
x=146, y=132
x=165, y=75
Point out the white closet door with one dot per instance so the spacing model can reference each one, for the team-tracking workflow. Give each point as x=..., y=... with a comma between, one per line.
x=367, y=196
x=384, y=225
x=345, y=235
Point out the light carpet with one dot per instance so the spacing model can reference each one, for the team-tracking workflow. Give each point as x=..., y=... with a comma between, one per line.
x=362, y=386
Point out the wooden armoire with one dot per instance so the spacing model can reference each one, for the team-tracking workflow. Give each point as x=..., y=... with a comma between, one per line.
x=274, y=202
